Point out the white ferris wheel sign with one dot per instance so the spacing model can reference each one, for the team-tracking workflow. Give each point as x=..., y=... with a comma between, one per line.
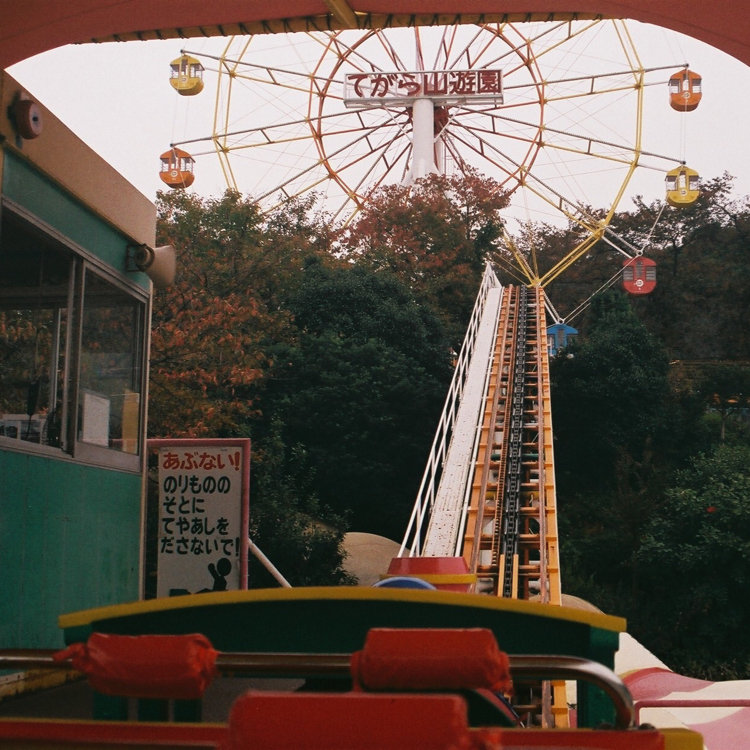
x=446, y=86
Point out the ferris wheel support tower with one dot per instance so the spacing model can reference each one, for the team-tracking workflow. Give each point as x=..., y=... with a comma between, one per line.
x=423, y=160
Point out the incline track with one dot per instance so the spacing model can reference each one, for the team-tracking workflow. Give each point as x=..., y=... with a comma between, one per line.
x=511, y=533
x=489, y=490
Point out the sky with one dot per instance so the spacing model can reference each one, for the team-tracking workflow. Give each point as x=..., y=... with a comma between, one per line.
x=117, y=98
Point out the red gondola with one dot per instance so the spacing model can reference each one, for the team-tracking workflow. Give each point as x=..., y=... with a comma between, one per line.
x=685, y=90
x=177, y=168
x=639, y=275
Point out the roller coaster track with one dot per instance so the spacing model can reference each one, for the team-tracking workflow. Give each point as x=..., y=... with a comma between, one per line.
x=510, y=540
x=488, y=494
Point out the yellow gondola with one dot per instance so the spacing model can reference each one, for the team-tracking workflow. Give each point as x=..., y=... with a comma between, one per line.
x=177, y=168
x=187, y=75
x=682, y=186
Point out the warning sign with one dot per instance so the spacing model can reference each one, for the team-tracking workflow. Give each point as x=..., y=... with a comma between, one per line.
x=203, y=515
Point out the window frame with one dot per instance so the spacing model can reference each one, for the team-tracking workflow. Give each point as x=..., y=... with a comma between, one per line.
x=83, y=262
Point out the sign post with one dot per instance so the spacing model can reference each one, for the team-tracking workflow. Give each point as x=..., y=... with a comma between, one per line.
x=204, y=487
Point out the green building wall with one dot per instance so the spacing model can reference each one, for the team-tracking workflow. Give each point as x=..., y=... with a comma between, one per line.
x=70, y=537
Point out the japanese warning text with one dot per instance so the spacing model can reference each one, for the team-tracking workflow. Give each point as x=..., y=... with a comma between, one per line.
x=200, y=519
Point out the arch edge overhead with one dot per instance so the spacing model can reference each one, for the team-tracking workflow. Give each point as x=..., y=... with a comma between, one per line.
x=35, y=27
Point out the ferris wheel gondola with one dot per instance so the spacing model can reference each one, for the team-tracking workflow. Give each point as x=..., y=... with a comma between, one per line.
x=186, y=75
x=685, y=90
x=682, y=186
x=639, y=275
x=177, y=168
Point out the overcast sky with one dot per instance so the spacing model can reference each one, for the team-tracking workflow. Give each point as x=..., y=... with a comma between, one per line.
x=117, y=98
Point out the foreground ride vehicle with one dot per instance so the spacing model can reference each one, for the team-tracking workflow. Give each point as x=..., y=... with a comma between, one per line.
x=359, y=668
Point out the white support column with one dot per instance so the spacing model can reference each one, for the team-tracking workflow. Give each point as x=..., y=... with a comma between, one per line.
x=423, y=139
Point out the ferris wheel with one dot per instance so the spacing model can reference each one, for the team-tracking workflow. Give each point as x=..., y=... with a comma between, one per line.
x=552, y=111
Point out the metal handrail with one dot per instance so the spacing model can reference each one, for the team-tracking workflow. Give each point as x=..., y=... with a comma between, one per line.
x=523, y=667
x=413, y=537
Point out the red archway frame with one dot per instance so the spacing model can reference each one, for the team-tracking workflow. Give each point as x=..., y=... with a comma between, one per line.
x=35, y=26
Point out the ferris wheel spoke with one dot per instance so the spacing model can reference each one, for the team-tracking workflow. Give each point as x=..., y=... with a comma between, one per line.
x=273, y=74
x=502, y=161
x=522, y=48
x=360, y=136
x=486, y=54
x=362, y=61
x=550, y=195
x=625, y=157
x=273, y=79
x=377, y=153
x=267, y=132
x=573, y=34
x=399, y=158
x=390, y=50
x=281, y=186
x=538, y=130
x=442, y=57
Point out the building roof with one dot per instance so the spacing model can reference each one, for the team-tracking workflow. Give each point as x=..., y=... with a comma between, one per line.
x=38, y=25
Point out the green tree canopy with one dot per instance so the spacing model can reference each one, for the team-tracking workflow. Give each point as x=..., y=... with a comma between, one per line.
x=212, y=338
x=694, y=567
x=361, y=387
x=610, y=397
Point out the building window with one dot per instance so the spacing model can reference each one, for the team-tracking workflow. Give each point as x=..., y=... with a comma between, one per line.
x=110, y=372
x=72, y=353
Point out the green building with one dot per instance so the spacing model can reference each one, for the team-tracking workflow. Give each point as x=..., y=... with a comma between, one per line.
x=74, y=334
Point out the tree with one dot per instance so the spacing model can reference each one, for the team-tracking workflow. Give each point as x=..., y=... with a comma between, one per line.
x=205, y=353
x=435, y=236
x=618, y=432
x=212, y=340
x=212, y=329
x=725, y=389
x=360, y=388
x=301, y=538
x=703, y=290
x=694, y=565
x=609, y=399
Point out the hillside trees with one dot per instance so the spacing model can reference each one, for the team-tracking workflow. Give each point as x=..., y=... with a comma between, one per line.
x=331, y=351
x=653, y=517
x=618, y=429
x=336, y=370
x=212, y=336
x=360, y=387
x=701, y=250
x=693, y=567
x=207, y=331
x=702, y=296
x=610, y=398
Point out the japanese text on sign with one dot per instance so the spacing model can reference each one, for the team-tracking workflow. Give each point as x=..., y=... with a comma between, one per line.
x=444, y=85
x=200, y=519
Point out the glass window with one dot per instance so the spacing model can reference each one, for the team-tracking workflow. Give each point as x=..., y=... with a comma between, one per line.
x=34, y=303
x=112, y=333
